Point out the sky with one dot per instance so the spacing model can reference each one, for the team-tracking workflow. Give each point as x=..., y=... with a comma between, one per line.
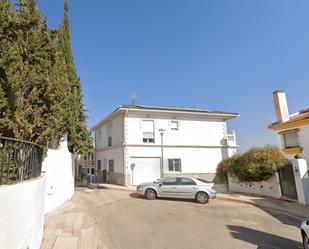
x=226, y=55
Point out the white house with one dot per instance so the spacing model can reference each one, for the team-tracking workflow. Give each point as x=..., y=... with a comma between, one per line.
x=138, y=143
x=293, y=130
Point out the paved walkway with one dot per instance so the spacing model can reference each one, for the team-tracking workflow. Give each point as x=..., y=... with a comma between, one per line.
x=70, y=227
x=298, y=210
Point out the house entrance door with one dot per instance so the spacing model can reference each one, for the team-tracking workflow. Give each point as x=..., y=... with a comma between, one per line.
x=287, y=182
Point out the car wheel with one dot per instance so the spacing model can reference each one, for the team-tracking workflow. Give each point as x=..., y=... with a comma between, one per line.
x=202, y=197
x=150, y=194
x=305, y=240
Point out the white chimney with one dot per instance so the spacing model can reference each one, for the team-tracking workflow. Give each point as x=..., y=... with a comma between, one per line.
x=281, y=106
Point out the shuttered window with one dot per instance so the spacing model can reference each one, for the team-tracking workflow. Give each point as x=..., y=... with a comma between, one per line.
x=148, y=131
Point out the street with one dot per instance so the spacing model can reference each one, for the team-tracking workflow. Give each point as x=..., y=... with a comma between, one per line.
x=125, y=221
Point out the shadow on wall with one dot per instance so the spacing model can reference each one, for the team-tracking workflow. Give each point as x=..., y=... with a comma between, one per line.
x=262, y=240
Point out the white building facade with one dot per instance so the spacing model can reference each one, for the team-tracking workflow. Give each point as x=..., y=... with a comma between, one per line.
x=137, y=144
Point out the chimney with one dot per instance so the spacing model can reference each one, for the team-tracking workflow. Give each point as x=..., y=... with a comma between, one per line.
x=281, y=106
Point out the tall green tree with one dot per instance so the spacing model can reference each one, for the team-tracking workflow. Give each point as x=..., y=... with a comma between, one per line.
x=78, y=136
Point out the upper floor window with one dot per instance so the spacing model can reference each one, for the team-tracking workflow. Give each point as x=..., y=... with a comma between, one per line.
x=110, y=141
x=290, y=139
x=174, y=165
x=174, y=125
x=148, y=131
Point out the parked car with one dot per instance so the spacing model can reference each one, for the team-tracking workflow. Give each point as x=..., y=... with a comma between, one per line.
x=305, y=233
x=178, y=187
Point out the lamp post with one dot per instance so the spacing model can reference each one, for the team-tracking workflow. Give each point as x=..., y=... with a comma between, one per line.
x=162, y=166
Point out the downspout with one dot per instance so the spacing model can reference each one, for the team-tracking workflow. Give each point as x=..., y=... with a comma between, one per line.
x=125, y=148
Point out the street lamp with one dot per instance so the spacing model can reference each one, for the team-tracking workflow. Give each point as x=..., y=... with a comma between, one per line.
x=162, y=166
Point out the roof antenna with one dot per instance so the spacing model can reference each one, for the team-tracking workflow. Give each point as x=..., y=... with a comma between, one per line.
x=133, y=98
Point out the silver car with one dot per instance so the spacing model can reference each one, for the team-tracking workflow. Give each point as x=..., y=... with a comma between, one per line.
x=305, y=233
x=178, y=187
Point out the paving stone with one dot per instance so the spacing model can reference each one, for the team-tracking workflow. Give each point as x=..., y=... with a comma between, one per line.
x=66, y=243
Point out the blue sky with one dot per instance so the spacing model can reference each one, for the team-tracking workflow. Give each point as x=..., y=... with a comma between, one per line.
x=213, y=54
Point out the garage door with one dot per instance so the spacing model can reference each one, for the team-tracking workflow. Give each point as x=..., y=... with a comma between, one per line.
x=145, y=170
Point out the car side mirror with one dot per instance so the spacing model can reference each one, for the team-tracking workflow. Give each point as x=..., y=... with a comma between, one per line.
x=160, y=184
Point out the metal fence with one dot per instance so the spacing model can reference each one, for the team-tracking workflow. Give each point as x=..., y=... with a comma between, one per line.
x=19, y=160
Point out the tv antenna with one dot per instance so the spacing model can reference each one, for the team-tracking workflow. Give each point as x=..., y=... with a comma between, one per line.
x=133, y=98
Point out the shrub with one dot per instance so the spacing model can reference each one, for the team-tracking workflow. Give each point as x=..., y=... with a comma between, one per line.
x=257, y=164
x=225, y=167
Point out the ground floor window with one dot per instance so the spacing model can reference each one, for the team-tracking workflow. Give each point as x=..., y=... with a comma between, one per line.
x=99, y=164
x=174, y=165
x=111, y=165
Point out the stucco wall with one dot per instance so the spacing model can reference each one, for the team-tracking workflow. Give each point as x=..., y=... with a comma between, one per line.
x=304, y=141
x=59, y=176
x=266, y=188
x=191, y=131
x=22, y=214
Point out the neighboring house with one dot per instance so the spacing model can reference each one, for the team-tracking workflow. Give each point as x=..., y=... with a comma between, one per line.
x=293, y=129
x=130, y=143
x=85, y=167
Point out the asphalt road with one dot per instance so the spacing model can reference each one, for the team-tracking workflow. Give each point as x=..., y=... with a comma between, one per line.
x=128, y=222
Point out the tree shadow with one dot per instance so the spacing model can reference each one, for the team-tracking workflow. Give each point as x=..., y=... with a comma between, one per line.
x=261, y=239
x=267, y=205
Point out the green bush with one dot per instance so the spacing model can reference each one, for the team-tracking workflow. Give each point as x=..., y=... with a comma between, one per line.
x=224, y=168
x=257, y=164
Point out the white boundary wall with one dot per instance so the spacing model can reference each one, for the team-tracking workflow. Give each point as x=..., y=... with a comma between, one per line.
x=58, y=167
x=23, y=205
x=270, y=187
x=22, y=214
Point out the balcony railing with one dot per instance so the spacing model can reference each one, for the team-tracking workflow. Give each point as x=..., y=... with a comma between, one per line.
x=19, y=160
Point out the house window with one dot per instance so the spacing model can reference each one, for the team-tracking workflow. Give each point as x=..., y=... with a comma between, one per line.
x=92, y=171
x=174, y=125
x=111, y=165
x=99, y=164
x=148, y=131
x=174, y=165
x=110, y=141
x=290, y=139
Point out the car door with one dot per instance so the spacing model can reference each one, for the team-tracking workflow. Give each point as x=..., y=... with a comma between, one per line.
x=168, y=187
x=186, y=188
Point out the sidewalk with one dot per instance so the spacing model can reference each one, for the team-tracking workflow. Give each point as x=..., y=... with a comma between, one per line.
x=295, y=209
x=70, y=227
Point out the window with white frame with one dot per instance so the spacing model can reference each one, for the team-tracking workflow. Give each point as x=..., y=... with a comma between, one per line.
x=174, y=165
x=174, y=125
x=290, y=139
x=111, y=165
x=148, y=131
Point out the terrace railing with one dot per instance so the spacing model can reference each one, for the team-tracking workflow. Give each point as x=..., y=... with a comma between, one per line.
x=19, y=160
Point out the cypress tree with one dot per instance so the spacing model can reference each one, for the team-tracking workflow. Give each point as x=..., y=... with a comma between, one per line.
x=78, y=135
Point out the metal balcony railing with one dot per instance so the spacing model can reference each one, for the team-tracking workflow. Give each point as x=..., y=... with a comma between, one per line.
x=19, y=160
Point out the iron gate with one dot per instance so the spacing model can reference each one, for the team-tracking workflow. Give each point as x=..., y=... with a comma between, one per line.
x=287, y=182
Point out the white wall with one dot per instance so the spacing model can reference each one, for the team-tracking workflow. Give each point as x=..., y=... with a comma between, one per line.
x=304, y=141
x=59, y=176
x=192, y=131
x=266, y=188
x=117, y=133
x=115, y=154
x=193, y=160
x=22, y=214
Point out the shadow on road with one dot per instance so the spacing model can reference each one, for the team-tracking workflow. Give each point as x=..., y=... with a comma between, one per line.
x=262, y=240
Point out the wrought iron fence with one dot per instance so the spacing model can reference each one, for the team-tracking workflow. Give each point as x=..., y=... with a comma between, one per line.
x=19, y=160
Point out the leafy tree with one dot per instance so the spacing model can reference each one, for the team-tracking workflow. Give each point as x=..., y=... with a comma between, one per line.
x=225, y=167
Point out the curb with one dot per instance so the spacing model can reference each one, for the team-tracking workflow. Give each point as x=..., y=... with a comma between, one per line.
x=235, y=200
x=99, y=186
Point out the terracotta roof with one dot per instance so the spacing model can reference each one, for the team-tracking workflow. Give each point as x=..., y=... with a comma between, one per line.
x=303, y=114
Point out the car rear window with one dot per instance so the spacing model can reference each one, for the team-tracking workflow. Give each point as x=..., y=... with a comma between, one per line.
x=203, y=180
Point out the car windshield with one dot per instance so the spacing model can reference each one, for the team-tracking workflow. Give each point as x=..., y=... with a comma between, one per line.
x=203, y=180
x=159, y=180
